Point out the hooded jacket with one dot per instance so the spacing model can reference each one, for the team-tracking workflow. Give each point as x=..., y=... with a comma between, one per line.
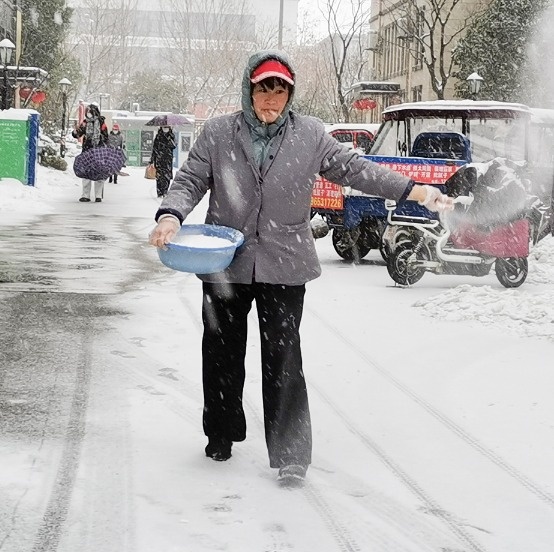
x=267, y=195
x=262, y=134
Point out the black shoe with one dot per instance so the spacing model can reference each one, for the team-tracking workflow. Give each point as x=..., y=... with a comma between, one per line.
x=98, y=199
x=292, y=475
x=83, y=199
x=219, y=449
x=110, y=179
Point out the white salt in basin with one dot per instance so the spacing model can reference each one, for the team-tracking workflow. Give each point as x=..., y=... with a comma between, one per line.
x=201, y=248
x=201, y=241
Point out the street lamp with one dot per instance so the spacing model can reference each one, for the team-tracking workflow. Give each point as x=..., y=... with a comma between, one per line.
x=64, y=86
x=475, y=81
x=6, y=49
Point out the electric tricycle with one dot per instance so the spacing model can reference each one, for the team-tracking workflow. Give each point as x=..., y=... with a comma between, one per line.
x=427, y=142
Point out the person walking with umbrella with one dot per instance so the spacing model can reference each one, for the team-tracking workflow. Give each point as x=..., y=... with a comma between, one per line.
x=94, y=132
x=162, y=159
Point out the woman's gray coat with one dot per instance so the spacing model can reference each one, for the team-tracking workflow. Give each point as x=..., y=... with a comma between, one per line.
x=270, y=204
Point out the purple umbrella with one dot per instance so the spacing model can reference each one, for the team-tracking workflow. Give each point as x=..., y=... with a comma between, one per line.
x=98, y=163
x=170, y=119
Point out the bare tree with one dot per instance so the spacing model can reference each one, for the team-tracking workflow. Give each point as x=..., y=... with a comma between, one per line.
x=429, y=31
x=206, y=50
x=342, y=57
x=107, y=42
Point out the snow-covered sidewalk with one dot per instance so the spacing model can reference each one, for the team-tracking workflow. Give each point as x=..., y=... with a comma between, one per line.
x=431, y=412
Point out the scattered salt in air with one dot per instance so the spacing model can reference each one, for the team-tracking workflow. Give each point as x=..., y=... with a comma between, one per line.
x=201, y=241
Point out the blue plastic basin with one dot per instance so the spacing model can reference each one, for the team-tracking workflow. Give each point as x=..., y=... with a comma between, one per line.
x=199, y=260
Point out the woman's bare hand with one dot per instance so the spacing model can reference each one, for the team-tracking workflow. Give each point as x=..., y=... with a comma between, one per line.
x=164, y=232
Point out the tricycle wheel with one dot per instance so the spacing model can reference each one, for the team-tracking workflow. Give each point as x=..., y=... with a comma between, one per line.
x=401, y=263
x=512, y=272
x=390, y=238
x=347, y=248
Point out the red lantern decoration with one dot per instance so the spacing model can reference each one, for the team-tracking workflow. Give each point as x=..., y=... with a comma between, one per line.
x=38, y=97
x=364, y=104
x=25, y=92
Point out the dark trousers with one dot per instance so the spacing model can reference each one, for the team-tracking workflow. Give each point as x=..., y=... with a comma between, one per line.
x=163, y=179
x=285, y=399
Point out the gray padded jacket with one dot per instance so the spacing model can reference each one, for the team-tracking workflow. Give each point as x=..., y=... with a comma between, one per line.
x=270, y=204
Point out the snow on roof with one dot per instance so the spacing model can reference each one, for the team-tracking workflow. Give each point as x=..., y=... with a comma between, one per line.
x=371, y=127
x=457, y=105
x=542, y=116
x=17, y=114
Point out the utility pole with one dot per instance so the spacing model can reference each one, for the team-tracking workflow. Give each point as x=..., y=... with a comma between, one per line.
x=281, y=6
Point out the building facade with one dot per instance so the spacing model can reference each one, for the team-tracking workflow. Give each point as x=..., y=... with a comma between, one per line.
x=413, y=46
x=150, y=27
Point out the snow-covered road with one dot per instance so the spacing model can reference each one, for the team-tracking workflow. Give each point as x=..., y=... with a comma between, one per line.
x=431, y=406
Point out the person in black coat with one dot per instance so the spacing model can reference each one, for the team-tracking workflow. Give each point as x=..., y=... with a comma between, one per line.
x=162, y=159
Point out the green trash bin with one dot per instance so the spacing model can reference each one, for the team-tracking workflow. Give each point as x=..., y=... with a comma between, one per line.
x=14, y=148
x=132, y=145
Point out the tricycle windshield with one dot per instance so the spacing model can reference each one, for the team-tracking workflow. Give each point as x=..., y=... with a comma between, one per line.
x=471, y=136
x=491, y=138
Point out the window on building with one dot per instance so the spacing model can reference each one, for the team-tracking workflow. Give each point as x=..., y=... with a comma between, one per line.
x=394, y=52
x=417, y=93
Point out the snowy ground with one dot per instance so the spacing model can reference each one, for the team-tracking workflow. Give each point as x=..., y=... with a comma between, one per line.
x=431, y=409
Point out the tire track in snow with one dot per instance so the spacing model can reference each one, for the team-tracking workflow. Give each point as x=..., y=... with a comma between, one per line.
x=416, y=489
x=465, y=436
x=50, y=530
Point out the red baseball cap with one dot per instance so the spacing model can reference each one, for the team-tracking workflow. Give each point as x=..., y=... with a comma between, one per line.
x=115, y=126
x=271, y=68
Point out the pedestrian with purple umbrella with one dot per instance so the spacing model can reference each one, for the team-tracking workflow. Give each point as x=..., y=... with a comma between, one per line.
x=94, y=132
x=162, y=159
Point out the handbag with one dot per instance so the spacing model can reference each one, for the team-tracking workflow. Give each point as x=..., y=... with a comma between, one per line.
x=150, y=172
